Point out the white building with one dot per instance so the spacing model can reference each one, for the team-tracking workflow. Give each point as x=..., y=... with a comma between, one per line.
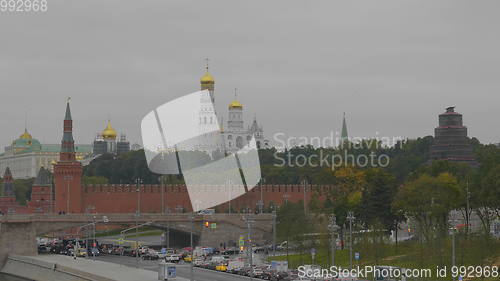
x=26, y=155
x=235, y=134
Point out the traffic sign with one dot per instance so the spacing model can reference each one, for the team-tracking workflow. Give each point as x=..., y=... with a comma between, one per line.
x=241, y=241
x=356, y=256
x=213, y=225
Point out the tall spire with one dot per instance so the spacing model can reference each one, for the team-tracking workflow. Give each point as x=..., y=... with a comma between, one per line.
x=67, y=143
x=344, y=136
x=68, y=110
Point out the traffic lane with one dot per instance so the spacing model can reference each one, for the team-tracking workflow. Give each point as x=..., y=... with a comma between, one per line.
x=183, y=270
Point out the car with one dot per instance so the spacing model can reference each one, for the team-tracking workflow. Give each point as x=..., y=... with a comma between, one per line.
x=173, y=258
x=79, y=253
x=43, y=249
x=94, y=252
x=188, y=258
x=129, y=252
x=143, y=250
x=150, y=255
x=206, y=212
x=221, y=267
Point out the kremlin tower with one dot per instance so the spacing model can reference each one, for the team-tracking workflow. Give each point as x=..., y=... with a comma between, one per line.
x=8, y=202
x=68, y=172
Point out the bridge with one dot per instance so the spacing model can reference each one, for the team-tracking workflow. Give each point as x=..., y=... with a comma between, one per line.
x=18, y=232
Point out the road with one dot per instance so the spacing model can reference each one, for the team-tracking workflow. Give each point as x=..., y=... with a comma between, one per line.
x=183, y=270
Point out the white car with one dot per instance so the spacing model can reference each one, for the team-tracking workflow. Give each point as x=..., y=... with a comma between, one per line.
x=172, y=258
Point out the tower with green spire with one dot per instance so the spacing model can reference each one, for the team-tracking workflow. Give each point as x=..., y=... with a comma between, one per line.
x=344, y=136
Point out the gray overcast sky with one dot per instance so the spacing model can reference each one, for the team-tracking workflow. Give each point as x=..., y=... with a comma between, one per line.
x=392, y=66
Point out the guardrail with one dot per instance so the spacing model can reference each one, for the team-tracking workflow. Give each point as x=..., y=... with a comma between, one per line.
x=120, y=217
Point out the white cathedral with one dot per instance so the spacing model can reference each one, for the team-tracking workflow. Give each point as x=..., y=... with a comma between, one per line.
x=235, y=134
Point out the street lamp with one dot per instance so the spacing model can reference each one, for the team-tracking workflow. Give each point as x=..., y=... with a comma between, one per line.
x=261, y=202
x=249, y=222
x=191, y=270
x=136, y=227
x=452, y=232
x=304, y=183
x=138, y=190
x=138, y=213
x=94, y=222
x=162, y=186
x=274, y=232
x=350, y=218
x=333, y=227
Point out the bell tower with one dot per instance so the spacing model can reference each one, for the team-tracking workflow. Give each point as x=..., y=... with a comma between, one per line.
x=68, y=172
x=207, y=82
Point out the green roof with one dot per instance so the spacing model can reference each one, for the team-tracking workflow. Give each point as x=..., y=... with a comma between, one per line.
x=79, y=148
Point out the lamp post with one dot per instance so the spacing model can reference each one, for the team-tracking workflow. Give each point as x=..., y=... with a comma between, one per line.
x=137, y=241
x=350, y=218
x=162, y=186
x=94, y=244
x=333, y=227
x=137, y=214
x=138, y=190
x=94, y=222
x=191, y=270
x=229, y=199
x=304, y=183
x=249, y=222
x=261, y=202
x=274, y=232
x=452, y=232
x=67, y=178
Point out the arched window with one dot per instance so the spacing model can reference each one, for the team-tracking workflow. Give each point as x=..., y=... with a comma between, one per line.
x=239, y=142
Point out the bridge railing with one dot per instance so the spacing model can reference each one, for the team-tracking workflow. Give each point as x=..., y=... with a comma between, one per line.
x=119, y=217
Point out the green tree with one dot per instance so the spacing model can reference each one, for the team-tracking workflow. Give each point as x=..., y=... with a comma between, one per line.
x=376, y=202
x=429, y=200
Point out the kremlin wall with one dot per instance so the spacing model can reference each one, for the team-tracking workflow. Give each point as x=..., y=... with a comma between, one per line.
x=123, y=198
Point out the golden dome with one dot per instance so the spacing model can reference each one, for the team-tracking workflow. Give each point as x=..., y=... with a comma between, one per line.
x=109, y=133
x=26, y=135
x=207, y=78
x=235, y=104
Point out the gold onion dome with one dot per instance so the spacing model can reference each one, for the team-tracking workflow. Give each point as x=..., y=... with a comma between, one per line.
x=26, y=135
x=207, y=78
x=235, y=104
x=109, y=132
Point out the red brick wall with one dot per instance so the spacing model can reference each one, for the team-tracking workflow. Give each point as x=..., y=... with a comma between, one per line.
x=123, y=198
x=68, y=174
